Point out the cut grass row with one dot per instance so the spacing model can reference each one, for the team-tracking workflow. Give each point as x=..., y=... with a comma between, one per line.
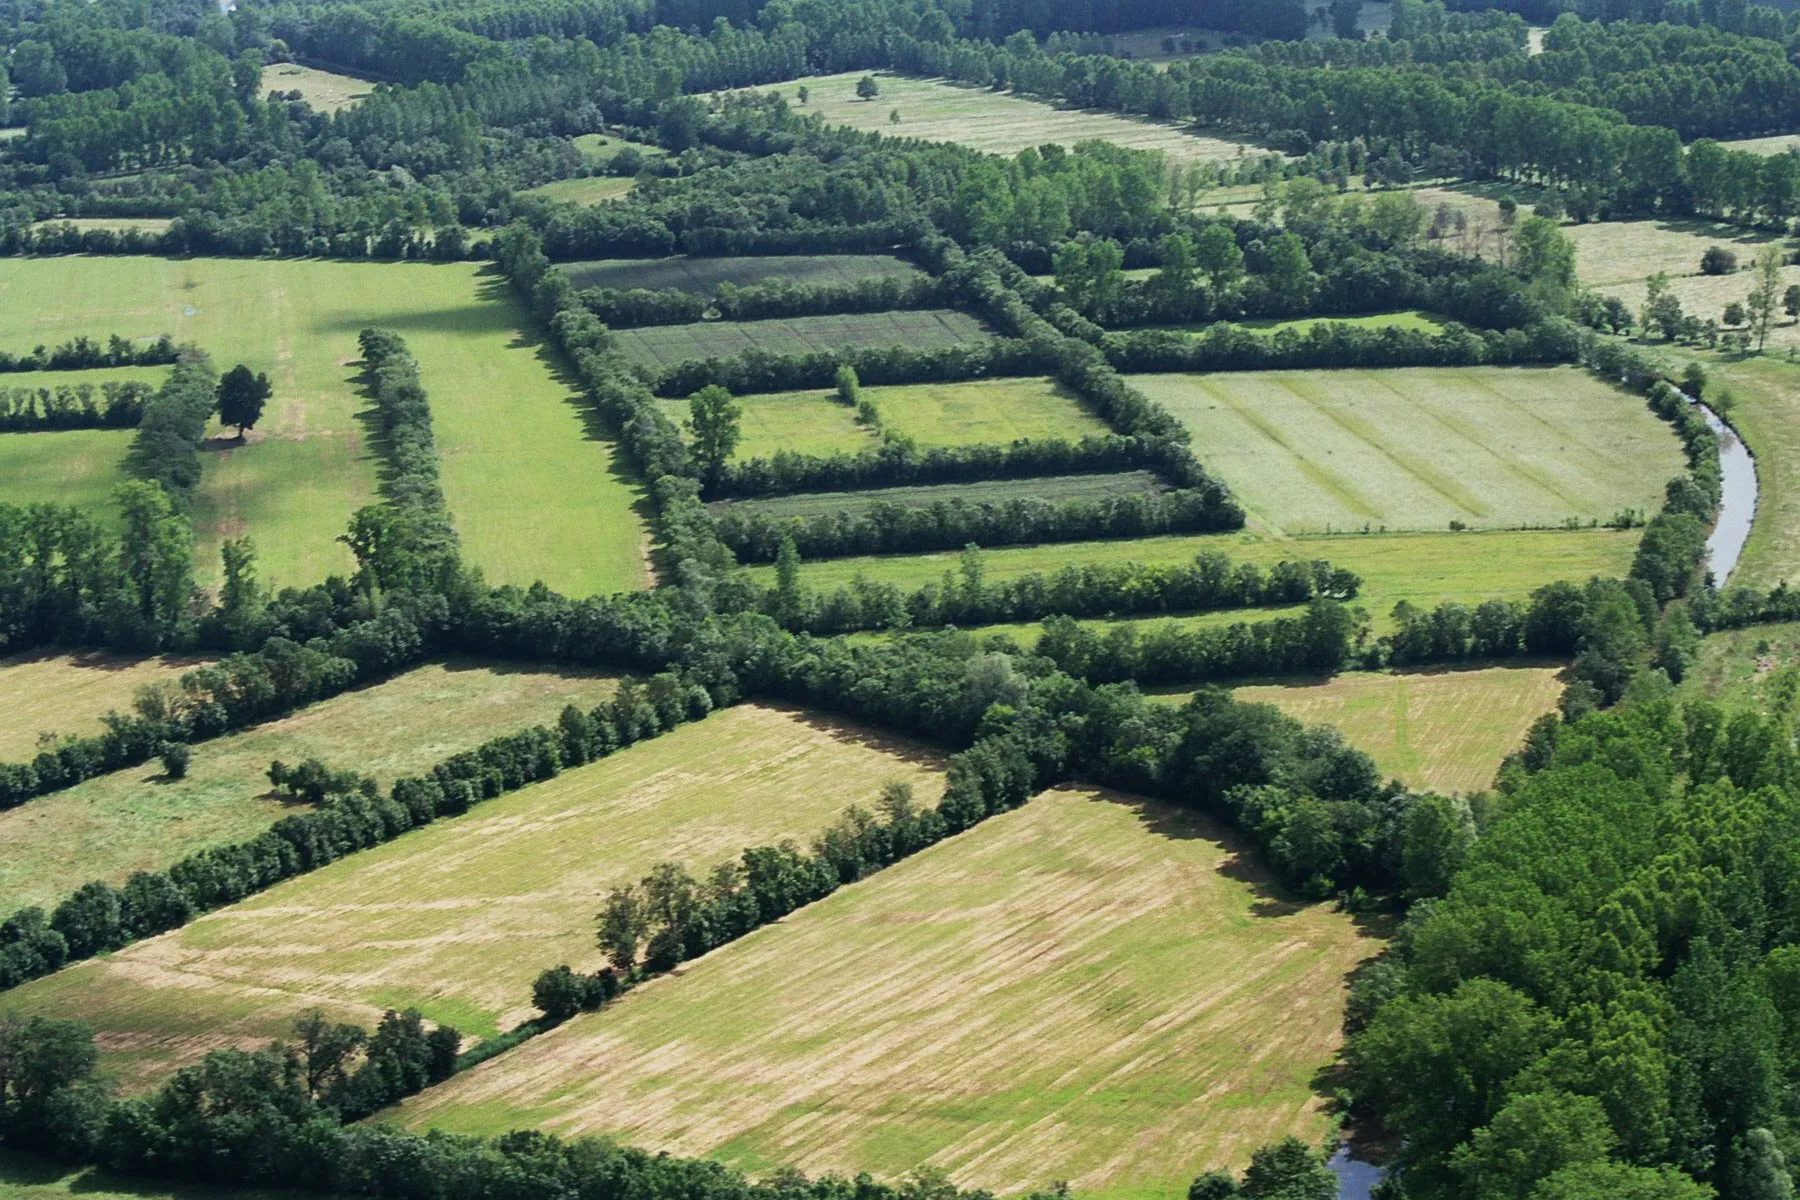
x=1415, y=449
x=925, y=329
x=458, y=918
x=532, y=498
x=139, y=820
x=1079, y=990
x=706, y=274
x=67, y=694
x=997, y=491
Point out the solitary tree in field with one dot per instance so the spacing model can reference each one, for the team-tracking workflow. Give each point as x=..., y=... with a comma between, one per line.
x=713, y=417
x=849, y=387
x=1662, y=308
x=1765, y=296
x=241, y=397
x=1717, y=261
x=867, y=88
x=1734, y=313
x=805, y=93
x=1790, y=301
x=894, y=117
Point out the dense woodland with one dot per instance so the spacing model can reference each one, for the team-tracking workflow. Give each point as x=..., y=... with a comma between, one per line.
x=1593, y=991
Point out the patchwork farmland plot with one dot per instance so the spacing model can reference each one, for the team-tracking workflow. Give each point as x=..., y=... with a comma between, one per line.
x=1055, y=994
x=1425, y=569
x=1316, y=451
x=706, y=274
x=981, y=411
x=533, y=497
x=458, y=918
x=68, y=693
x=992, y=122
x=139, y=820
x=999, y=491
x=1444, y=730
x=668, y=345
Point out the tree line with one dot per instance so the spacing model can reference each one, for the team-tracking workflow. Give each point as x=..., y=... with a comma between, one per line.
x=118, y=405
x=84, y=353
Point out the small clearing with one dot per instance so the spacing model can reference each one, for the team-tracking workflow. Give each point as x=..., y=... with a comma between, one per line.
x=927, y=329
x=326, y=91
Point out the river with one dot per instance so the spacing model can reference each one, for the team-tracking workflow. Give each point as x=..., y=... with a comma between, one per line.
x=1737, y=500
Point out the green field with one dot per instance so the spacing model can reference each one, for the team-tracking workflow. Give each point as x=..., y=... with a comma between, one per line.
x=706, y=274
x=1414, y=320
x=1080, y=990
x=1756, y=668
x=667, y=345
x=998, y=491
x=992, y=122
x=326, y=91
x=532, y=498
x=1426, y=569
x=1494, y=448
x=27, y=1177
x=981, y=411
x=65, y=466
x=458, y=918
x=139, y=820
x=68, y=694
x=1444, y=730
x=591, y=189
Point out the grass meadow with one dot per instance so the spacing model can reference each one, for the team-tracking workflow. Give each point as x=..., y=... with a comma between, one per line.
x=326, y=91
x=140, y=820
x=590, y=189
x=1756, y=668
x=458, y=918
x=685, y=274
x=1781, y=143
x=992, y=122
x=1442, y=730
x=28, y=1177
x=1425, y=569
x=995, y=491
x=925, y=329
x=532, y=495
x=1494, y=448
x=1078, y=990
x=68, y=466
x=981, y=411
x=1413, y=320
x=67, y=694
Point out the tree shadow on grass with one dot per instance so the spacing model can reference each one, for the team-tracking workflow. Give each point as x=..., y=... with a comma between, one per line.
x=912, y=751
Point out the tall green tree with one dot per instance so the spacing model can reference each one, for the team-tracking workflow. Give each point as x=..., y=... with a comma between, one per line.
x=241, y=397
x=156, y=551
x=713, y=424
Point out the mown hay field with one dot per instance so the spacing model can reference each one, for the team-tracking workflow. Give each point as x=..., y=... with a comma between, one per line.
x=996, y=491
x=458, y=918
x=1444, y=730
x=533, y=496
x=992, y=122
x=1493, y=448
x=326, y=91
x=686, y=274
x=1094, y=988
x=925, y=329
x=67, y=694
x=973, y=412
x=139, y=820
x=1424, y=569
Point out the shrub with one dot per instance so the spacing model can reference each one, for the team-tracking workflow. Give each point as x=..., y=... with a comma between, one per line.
x=1718, y=261
x=175, y=756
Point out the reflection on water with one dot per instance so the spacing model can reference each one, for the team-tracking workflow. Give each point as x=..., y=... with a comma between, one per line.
x=1355, y=1177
